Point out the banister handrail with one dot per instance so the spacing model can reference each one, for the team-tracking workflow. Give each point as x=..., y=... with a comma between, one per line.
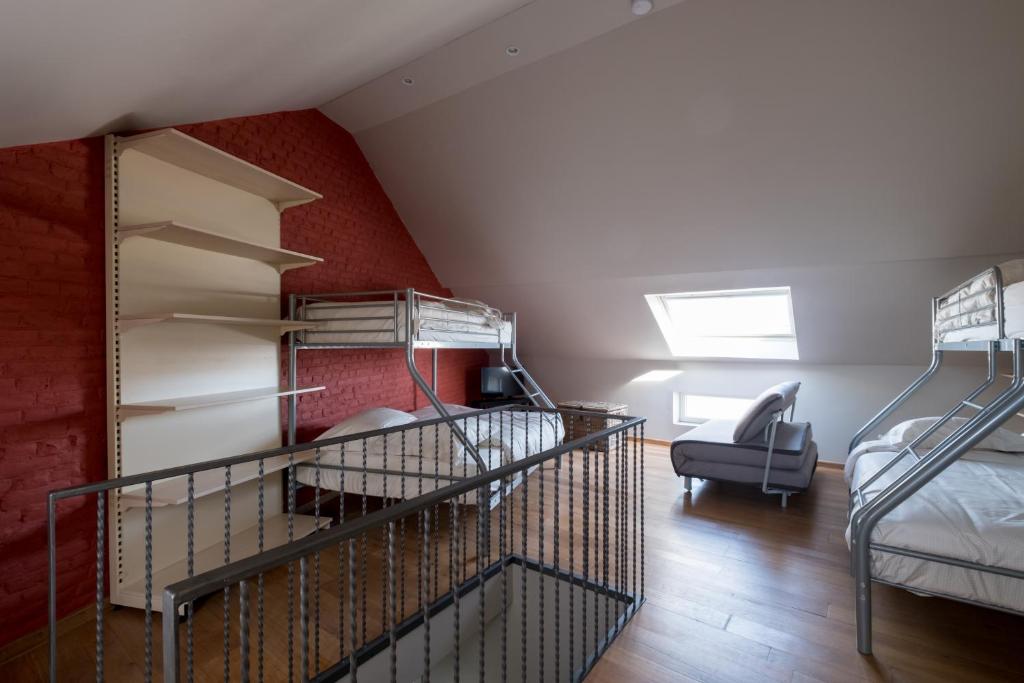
x=184, y=470
x=208, y=582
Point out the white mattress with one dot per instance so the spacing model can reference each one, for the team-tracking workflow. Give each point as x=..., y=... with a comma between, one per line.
x=441, y=321
x=507, y=437
x=973, y=511
x=969, y=315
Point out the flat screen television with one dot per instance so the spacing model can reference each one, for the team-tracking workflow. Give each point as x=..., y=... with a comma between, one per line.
x=496, y=382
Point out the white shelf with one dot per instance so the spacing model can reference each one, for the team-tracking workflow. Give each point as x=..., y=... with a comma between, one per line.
x=175, y=491
x=243, y=544
x=179, y=149
x=128, y=322
x=197, y=238
x=174, y=405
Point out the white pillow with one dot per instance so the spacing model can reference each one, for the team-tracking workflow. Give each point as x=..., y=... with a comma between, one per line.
x=1001, y=440
x=368, y=421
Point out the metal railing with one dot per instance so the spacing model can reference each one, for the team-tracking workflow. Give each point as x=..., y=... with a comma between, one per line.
x=560, y=519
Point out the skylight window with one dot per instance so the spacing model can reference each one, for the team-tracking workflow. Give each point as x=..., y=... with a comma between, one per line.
x=697, y=408
x=734, y=323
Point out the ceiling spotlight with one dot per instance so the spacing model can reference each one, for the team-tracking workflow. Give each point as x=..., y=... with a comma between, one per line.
x=407, y=80
x=512, y=50
x=641, y=7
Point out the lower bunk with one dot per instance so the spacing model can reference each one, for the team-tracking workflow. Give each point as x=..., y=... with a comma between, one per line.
x=418, y=452
x=961, y=536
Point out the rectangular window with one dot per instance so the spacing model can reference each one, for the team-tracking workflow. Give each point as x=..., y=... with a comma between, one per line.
x=735, y=323
x=697, y=408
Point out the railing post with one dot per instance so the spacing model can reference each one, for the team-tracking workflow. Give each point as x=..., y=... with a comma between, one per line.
x=170, y=637
x=243, y=628
x=51, y=548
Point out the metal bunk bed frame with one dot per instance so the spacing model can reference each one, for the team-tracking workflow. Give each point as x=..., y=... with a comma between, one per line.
x=987, y=418
x=409, y=341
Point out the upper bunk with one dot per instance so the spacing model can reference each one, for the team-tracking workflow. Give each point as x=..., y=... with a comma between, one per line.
x=399, y=318
x=986, y=309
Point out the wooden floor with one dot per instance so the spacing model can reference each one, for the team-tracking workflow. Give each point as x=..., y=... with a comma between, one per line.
x=741, y=590
x=737, y=590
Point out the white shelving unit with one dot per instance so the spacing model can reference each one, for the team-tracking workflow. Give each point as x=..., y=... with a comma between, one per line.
x=187, y=236
x=175, y=491
x=243, y=544
x=194, y=315
x=174, y=147
x=173, y=405
x=128, y=322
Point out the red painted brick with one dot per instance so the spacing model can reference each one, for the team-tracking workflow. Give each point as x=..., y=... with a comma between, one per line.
x=52, y=356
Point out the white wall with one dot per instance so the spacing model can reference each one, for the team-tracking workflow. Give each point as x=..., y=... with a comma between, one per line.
x=836, y=399
x=868, y=154
x=723, y=135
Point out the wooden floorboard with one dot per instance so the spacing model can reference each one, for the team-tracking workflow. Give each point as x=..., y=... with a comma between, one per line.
x=742, y=590
x=738, y=590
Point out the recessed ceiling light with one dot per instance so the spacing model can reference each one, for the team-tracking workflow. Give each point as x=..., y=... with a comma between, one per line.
x=641, y=7
x=512, y=50
x=407, y=80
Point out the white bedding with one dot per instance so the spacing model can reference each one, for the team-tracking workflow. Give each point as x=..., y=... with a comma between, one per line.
x=907, y=432
x=438, y=321
x=506, y=437
x=971, y=316
x=973, y=511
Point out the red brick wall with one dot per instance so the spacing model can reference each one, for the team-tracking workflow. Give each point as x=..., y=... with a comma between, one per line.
x=52, y=354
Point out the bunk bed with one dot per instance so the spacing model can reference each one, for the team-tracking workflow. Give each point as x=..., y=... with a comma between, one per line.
x=958, y=535
x=465, y=443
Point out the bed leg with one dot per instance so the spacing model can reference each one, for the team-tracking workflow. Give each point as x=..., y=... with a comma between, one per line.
x=862, y=583
x=688, y=484
x=785, y=500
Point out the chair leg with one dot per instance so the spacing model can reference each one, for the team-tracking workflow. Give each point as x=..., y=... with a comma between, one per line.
x=688, y=483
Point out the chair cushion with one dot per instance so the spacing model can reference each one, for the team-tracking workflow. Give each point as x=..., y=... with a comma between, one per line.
x=798, y=479
x=711, y=442
x=759, y=414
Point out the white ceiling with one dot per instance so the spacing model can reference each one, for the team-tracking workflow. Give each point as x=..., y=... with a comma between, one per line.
x=70, y=68
x=537, y=30
x=728, y=141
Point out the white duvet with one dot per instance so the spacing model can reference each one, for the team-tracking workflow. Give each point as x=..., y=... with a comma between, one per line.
x=972, y=511
x=906, y=433
x=501, y=437
x=446, y=320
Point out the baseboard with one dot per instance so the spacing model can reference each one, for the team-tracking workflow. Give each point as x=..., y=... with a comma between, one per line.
x=830, y=465
x=651, y=442
x=40, y=637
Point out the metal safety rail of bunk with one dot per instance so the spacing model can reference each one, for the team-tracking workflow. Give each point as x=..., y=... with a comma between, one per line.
x=400, y=328
x=987, y=416
x=424, y=587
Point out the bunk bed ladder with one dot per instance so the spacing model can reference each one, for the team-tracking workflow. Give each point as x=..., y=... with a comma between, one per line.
x=523, y=379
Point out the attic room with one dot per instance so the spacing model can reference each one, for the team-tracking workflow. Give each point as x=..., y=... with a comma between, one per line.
x=550, y=340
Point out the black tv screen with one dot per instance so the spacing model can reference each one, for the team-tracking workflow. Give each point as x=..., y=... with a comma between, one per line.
x=495, y=382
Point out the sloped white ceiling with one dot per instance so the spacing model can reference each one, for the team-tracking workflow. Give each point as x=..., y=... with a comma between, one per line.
x=536, y=30
x=854, y=150
x=70, y=68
